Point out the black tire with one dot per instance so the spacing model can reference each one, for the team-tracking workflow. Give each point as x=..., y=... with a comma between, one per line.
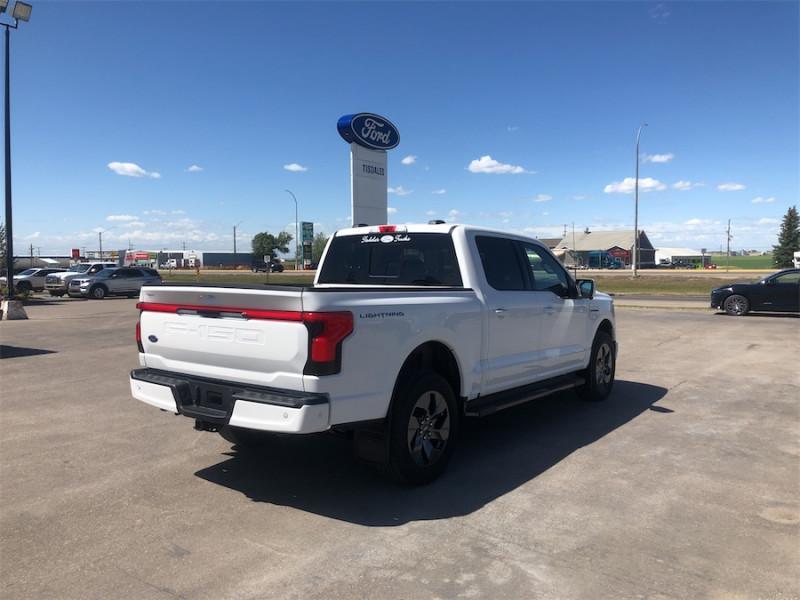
x=247, y=440
x=423, y=428
x=57, y=294
x=98, y=292
x=602, y=369
x=23, y=286
x=736, y=305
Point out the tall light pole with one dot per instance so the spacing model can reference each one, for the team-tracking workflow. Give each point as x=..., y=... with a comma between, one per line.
x=21, y=12
x=636, y=209
x=296, y=229
x=234, y=242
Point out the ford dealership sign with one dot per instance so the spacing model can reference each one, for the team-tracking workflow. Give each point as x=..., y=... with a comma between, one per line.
x=368, y=130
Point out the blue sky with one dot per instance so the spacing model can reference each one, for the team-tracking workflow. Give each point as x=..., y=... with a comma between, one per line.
x=552, y=92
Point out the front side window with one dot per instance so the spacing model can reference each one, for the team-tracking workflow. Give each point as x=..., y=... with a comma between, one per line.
x=546, y=273
x=788, y=278
x=501, y=265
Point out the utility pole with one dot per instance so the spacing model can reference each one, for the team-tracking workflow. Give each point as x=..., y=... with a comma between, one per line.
x=100, y=237
x=31, y=255
x=728, y=251
x=635, y=264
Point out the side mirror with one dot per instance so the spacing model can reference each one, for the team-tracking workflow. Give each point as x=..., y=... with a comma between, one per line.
x=586, y=288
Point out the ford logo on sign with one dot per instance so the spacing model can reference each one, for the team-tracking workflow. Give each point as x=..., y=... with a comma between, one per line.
x=368, y=130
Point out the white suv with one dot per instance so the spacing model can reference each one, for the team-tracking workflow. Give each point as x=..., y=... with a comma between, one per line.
x=58, y=283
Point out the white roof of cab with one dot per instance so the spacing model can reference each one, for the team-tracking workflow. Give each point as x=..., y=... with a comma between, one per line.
x=431, y=228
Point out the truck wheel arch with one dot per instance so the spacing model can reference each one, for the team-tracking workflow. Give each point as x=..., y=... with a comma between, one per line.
x=435, y=356
x=605, y=325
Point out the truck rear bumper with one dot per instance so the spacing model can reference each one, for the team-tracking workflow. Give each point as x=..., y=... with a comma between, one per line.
x=225, y=403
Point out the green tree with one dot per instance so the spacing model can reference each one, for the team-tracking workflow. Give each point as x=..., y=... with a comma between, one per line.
x=318, y=247
x=266, y=244
x=788, y=239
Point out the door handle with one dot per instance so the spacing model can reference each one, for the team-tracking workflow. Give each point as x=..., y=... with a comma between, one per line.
x=500, y=312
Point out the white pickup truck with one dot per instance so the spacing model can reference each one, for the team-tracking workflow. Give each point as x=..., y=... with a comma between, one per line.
x=405, y=331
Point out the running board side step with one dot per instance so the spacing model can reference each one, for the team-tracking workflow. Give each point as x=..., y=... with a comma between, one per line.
x=486, y=405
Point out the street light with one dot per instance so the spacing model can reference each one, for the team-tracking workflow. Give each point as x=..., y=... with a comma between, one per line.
x=636, y=210
x=234, y=242
x=21, y=12
x=296, y=225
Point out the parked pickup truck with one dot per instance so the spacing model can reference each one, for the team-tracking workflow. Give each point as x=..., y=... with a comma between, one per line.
x=405, y=331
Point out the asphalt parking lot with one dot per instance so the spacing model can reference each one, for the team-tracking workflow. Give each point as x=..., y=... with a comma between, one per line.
x=683, y=485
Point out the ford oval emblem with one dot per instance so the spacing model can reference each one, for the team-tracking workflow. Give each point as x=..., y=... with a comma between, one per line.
x=152, y=338
x=369, y=130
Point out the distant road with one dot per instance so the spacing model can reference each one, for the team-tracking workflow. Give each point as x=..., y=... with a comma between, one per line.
x=664, y=297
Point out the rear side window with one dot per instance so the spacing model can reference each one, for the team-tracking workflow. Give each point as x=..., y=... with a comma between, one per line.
x=392, y=259
x=501, y=263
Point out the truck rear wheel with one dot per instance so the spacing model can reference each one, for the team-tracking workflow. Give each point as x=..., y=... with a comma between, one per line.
x=423, y=428
x=601, y=370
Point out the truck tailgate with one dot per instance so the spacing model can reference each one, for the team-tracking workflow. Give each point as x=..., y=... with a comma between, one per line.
x=253, y=336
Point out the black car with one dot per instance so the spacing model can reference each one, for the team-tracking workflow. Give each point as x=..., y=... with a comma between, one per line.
x=261, y=266
x=780, y=292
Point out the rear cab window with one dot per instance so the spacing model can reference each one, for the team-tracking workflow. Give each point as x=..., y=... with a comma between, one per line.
x=411, y=259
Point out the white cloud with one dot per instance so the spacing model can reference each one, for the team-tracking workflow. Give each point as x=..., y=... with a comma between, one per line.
x=439, y=192
x=684, y=186
x=34, y=236
x=132, y=170
x=542, y=198
x=295, y=168
x=431, y=213
x=121, y=218
x=134, y=224
x=730, y=187
x=658, y=158
x=454, y=213
x=486, y=164
x=409, y=160
x=581, y=197
x=155, y=212
x=762, y=200
x=391, y=210
x=695, y=221
x=399, y=190
x=194, y=169
x=766, y=221
x=626, y=186
x=512, y=128
x=660, y=12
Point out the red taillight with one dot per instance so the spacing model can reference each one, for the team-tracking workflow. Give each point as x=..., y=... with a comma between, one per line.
x=326, y=331
x=139, y=336
x=387, y=228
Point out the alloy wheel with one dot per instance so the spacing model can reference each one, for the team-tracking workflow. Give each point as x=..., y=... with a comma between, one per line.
x=428, y=428
x=604, y=364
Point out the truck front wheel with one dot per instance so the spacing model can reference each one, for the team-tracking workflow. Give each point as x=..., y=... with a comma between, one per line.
x=423, y=428
x=601, y=370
